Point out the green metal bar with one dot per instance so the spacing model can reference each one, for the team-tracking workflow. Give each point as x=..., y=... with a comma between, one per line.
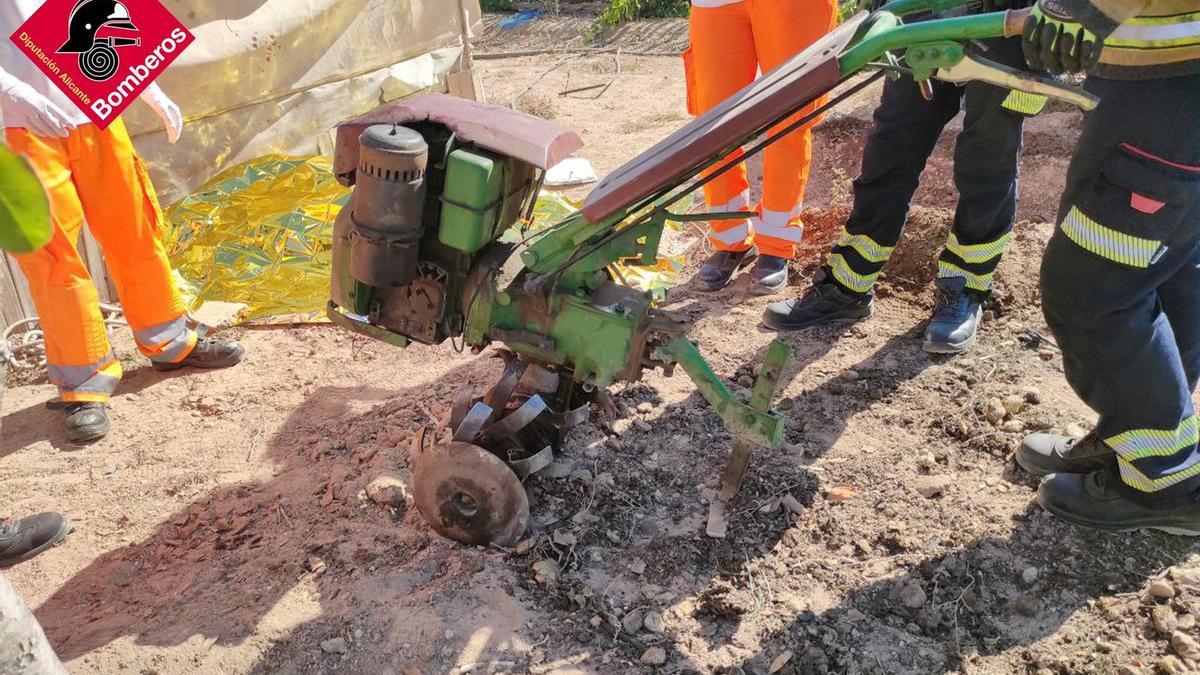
x=756, y=426
x=910, y=7
x=335, y=315
x=887, y=33
x=760, y=400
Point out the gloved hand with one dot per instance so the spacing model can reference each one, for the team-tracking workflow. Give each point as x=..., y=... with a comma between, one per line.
x=31, y=110
x=166, y=109
x=1055, y=41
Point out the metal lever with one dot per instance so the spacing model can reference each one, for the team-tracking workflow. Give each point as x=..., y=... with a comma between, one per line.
x=974, y=68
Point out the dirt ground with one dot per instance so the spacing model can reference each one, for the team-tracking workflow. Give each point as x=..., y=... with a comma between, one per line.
x=224, y=525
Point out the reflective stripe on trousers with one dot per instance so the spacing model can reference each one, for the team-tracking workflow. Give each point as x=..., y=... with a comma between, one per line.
x=730, y=235
x=168, y=342
x=90, y=383
x=1144, y=446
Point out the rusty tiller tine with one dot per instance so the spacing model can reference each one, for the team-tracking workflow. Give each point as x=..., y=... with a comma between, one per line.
x=524, y=468
x=517, y=420
x=572, y=418
x=462, y=405
x=497, y=398
x=468, y=431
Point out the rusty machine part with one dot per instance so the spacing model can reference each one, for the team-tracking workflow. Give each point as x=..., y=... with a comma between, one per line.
x=387, y=214
x=460, y=487
x=467, y=494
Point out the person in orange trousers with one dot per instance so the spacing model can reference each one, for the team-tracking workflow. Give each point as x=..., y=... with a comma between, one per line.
x=732, y=41
x=95, y=174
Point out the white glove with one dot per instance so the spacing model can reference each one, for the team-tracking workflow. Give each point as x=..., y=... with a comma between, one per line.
x=165, y=108
x=26, y=108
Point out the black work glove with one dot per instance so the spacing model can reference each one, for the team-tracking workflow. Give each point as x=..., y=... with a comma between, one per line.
x=1055, y=41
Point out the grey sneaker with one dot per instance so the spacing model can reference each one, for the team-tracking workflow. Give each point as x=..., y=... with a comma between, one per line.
x=956, y=315
x=22, y=539
x=1044, y=454
x=723, y=266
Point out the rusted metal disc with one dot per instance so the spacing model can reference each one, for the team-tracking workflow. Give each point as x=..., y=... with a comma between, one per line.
x=469, y=495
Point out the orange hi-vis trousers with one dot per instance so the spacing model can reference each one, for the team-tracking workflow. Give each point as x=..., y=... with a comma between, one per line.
x=730, y=43
x=97, y=175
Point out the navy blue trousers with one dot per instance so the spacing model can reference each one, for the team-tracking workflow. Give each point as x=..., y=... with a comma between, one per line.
x=1121, y=280
x=986, y=154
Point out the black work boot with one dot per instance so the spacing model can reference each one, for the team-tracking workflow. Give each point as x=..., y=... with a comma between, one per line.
x=22, y=539
x=1091, y=500
x=1043, y=454
x=86, y=422
x=769, y=275
x=210, y=352
x=825, y=303
x=956, y=316
x=723, y=266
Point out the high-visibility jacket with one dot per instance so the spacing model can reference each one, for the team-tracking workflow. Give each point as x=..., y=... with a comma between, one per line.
x=1144, y=39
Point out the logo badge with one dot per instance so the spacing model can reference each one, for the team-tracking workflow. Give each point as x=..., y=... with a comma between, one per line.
x=102, y=53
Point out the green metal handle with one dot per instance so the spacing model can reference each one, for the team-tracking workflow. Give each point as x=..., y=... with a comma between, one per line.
x=887, y=33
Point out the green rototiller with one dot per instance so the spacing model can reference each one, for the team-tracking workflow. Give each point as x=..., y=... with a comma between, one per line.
x=420, y=254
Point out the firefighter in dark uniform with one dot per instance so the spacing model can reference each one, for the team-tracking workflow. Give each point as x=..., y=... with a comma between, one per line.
x=907, y=128
x=1121, y=275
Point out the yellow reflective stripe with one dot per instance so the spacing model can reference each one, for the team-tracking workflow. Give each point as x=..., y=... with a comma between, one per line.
x=1164, y=20
x=1025, y=103
x=867, y=247
x=1157, y=32
x=978, y=253
x=978, y=282
x=1148, y=57
x=860, y=283
x=1141, y=443
x=1107, y=242
x=1134, y=478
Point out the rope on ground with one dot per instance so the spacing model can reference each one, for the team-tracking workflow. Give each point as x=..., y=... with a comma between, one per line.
x=23, y=344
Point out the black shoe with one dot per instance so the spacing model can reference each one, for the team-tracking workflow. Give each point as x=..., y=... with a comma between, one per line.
x=22, y=539
x=210, y=352
x=956, y=316
x=86, y=422
x=770, y=275
x=1091, y=500
x=723, y=266
x=1043, y=454
x=826, y=303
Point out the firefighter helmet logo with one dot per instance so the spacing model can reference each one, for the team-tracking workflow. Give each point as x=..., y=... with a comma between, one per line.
x=98, y=28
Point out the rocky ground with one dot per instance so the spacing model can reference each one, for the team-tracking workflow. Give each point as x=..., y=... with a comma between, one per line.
x=256, y=520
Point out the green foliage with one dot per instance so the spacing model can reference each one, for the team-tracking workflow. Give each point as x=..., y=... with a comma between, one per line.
x=620, y=11
x=846, y=9
x=24, y=210
x=497, y=5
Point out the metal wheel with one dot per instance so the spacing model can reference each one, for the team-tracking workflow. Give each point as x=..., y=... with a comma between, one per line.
x=469, y=495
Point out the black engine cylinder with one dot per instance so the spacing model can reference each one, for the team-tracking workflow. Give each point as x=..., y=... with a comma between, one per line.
x=389, y=200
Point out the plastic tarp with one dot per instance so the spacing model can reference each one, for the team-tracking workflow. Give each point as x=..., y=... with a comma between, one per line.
x=275, y=76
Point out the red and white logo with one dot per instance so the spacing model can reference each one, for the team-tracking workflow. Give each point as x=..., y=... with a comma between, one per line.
x=102, y=53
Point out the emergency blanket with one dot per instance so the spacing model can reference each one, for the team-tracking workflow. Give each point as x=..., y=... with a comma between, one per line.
x=261, y=234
